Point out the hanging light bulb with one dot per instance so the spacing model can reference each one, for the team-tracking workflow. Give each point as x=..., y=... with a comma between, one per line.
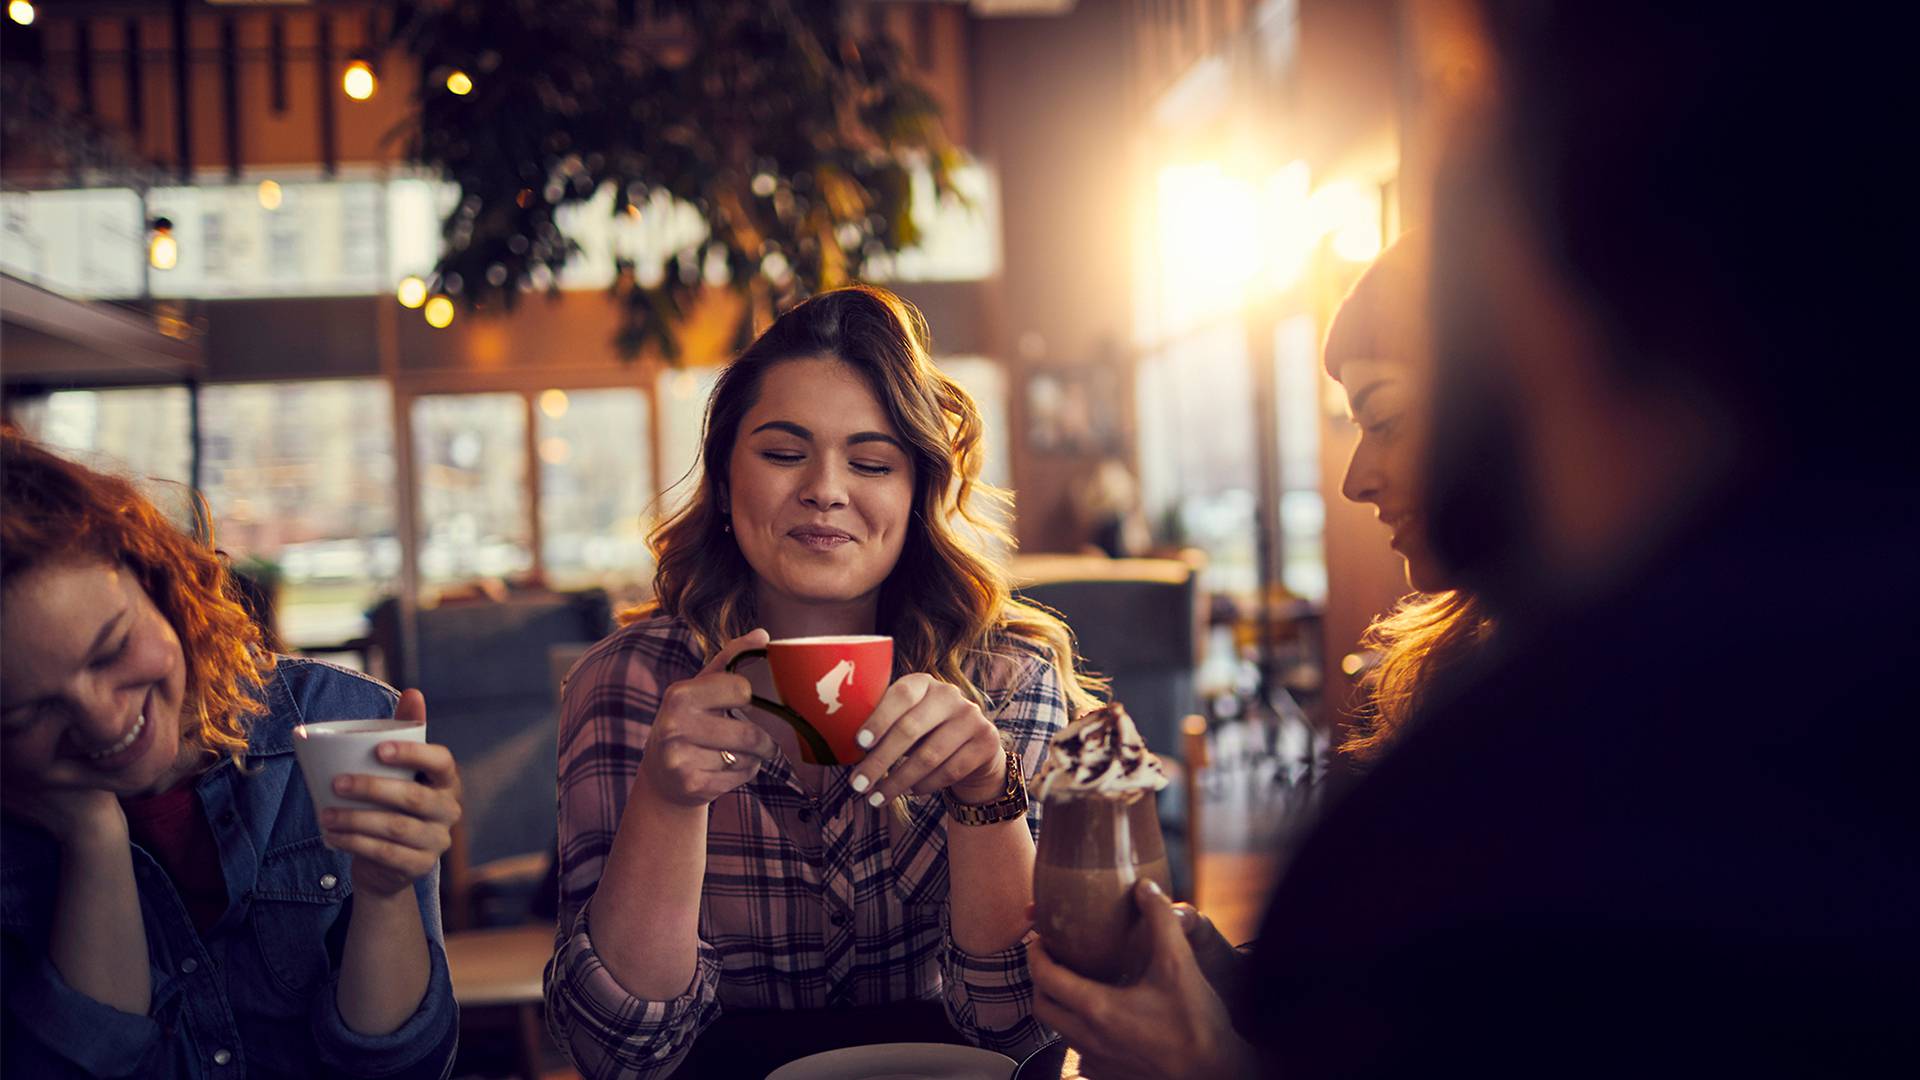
x=459, y=84
x=412, y=292
x=21, y=11
x=270, y=195
x=358, y=80
x=439, y=313
x=163, y=251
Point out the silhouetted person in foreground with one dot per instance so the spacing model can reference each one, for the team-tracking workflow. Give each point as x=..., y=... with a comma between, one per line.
x=1662, y=825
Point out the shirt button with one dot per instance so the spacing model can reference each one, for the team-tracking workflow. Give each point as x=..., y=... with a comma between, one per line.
x=189, y=965
x=328, y=881
x=806, y=816
x=838, y=918
x=221, y=1057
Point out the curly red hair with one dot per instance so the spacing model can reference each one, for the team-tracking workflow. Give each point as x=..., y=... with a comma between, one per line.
x=58, y=509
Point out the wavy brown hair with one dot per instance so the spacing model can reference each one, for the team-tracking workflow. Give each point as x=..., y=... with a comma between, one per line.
x=946, y=604
x=56, y=509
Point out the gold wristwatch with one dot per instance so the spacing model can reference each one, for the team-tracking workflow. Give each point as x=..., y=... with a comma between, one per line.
x=1011, y=804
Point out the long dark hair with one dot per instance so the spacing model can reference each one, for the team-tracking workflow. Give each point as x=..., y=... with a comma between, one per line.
x=946, y=604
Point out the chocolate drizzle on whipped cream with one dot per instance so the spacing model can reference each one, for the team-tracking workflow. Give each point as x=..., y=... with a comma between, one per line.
x=1099, y=755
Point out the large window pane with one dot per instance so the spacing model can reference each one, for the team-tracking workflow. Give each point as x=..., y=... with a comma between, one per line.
x=144, y=432
x=986, y=382
x=300, y=475
x=683, y=409
x=595, y=486
x=1297, y=381
x=470, y=451
x=1197, y=470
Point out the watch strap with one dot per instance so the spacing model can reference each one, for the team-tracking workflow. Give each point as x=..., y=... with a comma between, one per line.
x=1011, y=804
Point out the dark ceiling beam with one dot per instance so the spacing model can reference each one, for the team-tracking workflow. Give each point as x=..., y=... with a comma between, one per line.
x=182, y=93
x=230, y=91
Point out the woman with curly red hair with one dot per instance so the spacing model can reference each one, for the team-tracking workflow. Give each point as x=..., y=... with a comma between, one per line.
x=172, y=904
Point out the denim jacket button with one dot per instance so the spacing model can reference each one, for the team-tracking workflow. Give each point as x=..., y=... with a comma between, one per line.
x=189, y=966
x=221, y=1057
x=328, y=881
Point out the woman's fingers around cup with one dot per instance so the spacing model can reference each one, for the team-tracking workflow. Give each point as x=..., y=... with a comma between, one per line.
x=900, y=699
x=932, y=764
x=400, y=860
x=403, y=829
x=434, y=763
x=407, y=796
x=711, y=692
x=911, y=708
x=752, y=639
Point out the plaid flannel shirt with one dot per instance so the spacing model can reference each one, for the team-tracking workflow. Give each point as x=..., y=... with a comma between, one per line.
x=808, y=902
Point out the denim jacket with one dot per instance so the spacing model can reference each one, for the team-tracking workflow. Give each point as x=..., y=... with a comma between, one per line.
x=255, y=996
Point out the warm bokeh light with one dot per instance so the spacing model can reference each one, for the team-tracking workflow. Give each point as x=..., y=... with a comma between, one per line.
x=1287, y=226
x=358, y=80
x=1225, y=238
x=21, y=11
x=553, y=403
x=412, y=292
x=1210, y=246
x=555, y=450
x=459, y=84
x=439, y=312
x=270, y=195
x=1349, y=213
x=163, y=251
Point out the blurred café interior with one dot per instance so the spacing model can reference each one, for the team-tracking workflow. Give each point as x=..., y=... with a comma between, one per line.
x=286, y=262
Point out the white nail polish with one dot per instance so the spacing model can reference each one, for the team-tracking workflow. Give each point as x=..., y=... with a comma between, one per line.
x=876, y=799
x=865, y=739
x=861, y=783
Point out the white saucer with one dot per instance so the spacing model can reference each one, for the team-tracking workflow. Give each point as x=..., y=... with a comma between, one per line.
x=900, y=1061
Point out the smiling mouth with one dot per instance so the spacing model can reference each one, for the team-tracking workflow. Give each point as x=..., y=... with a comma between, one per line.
x=132, y=735
x=820, y=539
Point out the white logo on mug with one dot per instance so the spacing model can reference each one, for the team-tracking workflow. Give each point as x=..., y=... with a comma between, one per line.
x=829, y=685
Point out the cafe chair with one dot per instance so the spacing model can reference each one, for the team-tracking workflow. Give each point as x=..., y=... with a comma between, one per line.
x=1138, y=622
x=498, y=977
x=500, y=929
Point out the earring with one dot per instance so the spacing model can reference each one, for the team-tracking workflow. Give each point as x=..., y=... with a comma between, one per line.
x=726, y=526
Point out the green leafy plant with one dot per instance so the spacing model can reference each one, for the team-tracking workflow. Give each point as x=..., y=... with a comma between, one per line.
x=789, y=127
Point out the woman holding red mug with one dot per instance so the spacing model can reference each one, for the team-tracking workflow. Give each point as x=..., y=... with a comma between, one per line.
x=708, y=872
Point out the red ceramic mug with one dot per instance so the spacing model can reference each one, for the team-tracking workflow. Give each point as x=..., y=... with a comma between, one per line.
x=830, y=686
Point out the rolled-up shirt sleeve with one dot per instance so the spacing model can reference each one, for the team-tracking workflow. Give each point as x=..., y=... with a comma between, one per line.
x=611, y=1033
x=423, y=1047
x=53, y=1030
x=607, y=710
x=989, y=996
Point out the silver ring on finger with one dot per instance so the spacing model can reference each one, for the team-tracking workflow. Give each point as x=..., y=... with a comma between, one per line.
x=728, y=759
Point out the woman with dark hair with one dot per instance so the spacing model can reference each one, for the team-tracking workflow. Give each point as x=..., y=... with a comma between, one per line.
x=1376, y=351
x=173, y=906
x=704, y=868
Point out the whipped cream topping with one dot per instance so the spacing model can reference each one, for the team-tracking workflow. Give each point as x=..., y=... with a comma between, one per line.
x=1099, y=755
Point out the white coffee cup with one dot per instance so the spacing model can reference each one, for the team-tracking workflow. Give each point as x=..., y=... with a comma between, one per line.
x=331, y=748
